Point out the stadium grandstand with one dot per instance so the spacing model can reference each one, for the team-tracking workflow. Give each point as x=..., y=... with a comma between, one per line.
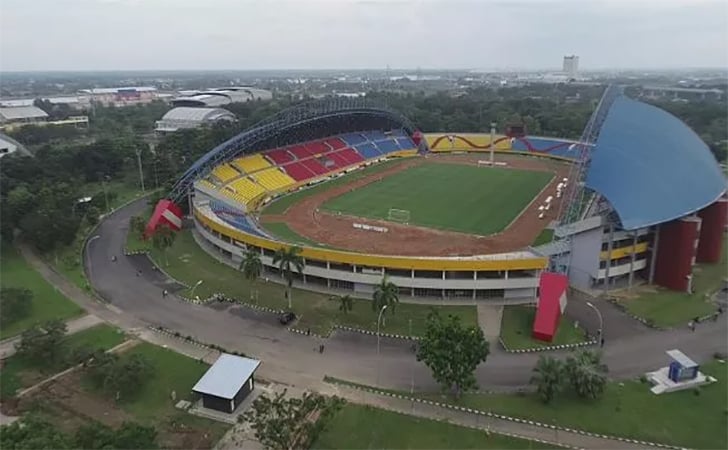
x=187, y=117
x=220, y=96
x=623, y=215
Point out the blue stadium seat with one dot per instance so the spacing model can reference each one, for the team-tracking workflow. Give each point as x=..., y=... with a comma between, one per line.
x=375, y=135
x=353, y=139
x=406, y=143
x=387, y=146
x=368, y=150
x=235, y=218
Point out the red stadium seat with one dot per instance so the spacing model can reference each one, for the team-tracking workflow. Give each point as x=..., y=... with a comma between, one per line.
x=279, y=156
x=298, y=171
x=300, y=151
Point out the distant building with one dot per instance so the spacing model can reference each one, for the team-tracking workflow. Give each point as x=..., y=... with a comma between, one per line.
x=77, y=102
x=188, y=117
x=227, y=383
x=681, y=93
x=122, y=96
x=21, y=115
x=221, y=96
x=571, y=66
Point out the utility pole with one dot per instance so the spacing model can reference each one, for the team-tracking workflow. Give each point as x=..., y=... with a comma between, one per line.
x=106, y=192
x=492, y=143
x=139, y=162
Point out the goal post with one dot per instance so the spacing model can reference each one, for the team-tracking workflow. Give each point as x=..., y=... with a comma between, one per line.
x=398, y=215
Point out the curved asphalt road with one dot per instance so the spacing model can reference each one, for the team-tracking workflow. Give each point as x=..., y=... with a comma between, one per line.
x=630, y=350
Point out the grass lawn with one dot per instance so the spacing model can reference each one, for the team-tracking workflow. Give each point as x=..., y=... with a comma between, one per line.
x=282, y=231
x=189, y=263
x=667, y=308
x=517, y=324
x=135, y=243
x=280, y=205
x=365, y=427
x=18, y=373
x=544, y=237
x=47, y=302
x=631, y=410
x=447, y=196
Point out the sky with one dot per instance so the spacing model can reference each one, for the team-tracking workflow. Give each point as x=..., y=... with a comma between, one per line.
x=367, y=34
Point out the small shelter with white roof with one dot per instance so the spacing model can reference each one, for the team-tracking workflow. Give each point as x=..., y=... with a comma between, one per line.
x=227, y=383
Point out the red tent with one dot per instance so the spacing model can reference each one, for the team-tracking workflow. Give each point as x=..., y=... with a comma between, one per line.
x=551, y=304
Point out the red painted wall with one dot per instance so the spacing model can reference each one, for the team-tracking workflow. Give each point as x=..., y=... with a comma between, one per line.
x=675, y=253
x=166, y=212
x=712, y=228
x=551, y=292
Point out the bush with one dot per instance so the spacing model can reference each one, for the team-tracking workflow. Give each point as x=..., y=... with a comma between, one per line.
x=643, y=379
x=696, y=391
x=719, y=355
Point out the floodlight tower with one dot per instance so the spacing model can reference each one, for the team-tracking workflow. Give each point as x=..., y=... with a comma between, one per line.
x=492, y=143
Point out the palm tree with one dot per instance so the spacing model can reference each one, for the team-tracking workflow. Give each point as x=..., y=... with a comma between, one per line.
x=162, y=239
x=251, y=267
x=136, y=223
x=288, y=259
x=549, y=377
x=346, y=303
x=385, y=294
x=587, y=374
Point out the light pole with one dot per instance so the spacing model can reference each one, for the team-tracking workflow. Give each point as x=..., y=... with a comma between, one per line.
x=379, y=319
x=104, y=178
x=139, y=162
x=601, y=321
x=192, y=293
x=492, y=143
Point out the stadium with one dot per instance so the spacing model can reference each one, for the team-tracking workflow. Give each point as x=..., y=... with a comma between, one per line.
x=459, y=215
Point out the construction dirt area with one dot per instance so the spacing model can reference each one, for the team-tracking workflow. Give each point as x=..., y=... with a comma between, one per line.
x=307, y=219
x=68, y=405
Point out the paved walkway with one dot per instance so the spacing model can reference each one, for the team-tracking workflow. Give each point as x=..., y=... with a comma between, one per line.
x=489, y=319
x=7, y=346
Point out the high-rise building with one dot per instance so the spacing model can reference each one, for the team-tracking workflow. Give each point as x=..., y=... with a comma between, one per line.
x=571, y=66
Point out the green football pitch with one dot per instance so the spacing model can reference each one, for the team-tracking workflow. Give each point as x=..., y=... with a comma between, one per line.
x=477, y=200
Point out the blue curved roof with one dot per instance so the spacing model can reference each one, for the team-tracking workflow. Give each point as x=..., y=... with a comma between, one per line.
x=651, y=166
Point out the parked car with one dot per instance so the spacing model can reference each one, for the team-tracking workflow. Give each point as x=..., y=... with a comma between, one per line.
x=286, y=318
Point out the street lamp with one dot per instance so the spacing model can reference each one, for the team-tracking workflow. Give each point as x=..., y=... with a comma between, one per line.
x=192, y=293
x=381, y=311
x=601, y=321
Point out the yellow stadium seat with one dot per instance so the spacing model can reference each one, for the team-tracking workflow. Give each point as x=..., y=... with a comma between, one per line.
x=246, y=188
x=225, y=173
x=252, y=163
x=273, y=179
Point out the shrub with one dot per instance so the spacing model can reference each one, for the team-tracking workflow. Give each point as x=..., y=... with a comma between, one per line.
x=719, y=355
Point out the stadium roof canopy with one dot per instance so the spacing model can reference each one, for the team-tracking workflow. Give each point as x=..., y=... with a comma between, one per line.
x=651, y=167
x=21, y=113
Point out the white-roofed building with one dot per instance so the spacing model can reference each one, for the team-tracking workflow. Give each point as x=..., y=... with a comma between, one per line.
x=221, y=96
x=75, y=102
x=189, y=117
x=22, y=115
x=121, y=96
x=7, y=145
x=227, y=382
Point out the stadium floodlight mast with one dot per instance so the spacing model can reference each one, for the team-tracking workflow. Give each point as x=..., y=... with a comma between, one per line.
x=139, y=161
x=492, y=143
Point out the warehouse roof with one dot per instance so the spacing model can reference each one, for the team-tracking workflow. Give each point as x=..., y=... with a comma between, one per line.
x=22, y=112
x=191, y=114
x=651, y=166
x=225, y=378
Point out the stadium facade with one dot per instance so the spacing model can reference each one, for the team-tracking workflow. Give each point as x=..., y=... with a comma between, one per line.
x=634, y=217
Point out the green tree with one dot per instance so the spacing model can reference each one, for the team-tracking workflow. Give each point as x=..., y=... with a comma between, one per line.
x=282, y=423
x=549, y=377
x=385, y=294
x=452, y=351
x=346, y=303
x=252, y=267
x=32, y=432
x=120, y=377
x=587, y=374
x=162, y=239
x=137, y=225
x=43, y=344
x=15, y=304
x=288, y=259
x=134, y=435
x=94, y=435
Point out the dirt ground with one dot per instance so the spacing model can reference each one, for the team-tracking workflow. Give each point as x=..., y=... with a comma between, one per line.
x=306, y=219
x=66, y=404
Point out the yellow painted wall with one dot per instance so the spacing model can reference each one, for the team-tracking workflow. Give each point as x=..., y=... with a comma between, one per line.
x=624, y=251
x=464, y=141
x=392, y=262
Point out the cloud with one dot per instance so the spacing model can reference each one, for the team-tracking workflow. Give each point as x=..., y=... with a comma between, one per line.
x=278, y=34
